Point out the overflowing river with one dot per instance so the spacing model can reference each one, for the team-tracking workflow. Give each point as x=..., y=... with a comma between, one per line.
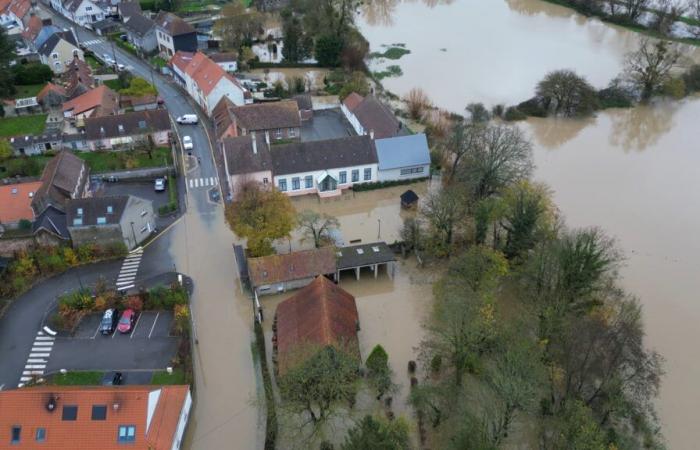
x=632, y=172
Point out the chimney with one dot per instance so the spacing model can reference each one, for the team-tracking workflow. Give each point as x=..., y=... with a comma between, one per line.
x=371, y=134
x=255, y=144
x=267, y=137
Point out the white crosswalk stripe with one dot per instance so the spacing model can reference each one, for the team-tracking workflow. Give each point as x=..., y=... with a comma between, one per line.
x=202, y=182
x=130, y=267
x=92, y=42
x=38, y=358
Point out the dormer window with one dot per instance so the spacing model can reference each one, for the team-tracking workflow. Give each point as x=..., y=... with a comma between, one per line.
x=79, y=211
x=101, y=220
x=110, y=210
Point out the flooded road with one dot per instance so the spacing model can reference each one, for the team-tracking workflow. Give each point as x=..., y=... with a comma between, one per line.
x=225, y=414
x=635, y=174
x=490, y=51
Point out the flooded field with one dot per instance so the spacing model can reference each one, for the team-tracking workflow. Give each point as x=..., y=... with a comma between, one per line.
x=312, y=78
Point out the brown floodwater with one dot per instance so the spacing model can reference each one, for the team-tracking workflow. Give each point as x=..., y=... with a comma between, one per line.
x=635, y=173
x=490, y=51
x=226, y=415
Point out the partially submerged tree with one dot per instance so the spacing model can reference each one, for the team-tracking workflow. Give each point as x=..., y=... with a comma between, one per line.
x=650, y=66
x=417, y=102
x=238, y=25
x=261, y=215
x=377, y=434
x=316, y=226
x=478, y=113
x=443, y=210
x=378, y=371
x=479, y=268
x=565, y=93
x=527, y=213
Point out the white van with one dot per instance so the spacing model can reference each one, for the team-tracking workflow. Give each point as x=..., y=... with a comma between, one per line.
x=187, y=119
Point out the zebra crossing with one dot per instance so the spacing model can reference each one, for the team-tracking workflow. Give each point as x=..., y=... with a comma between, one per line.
x=38, y=357
x=92, y=42
x=203, y=182
x=130, y=268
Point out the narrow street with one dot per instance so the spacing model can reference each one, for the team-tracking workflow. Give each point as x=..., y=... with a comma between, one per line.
x=226, y=412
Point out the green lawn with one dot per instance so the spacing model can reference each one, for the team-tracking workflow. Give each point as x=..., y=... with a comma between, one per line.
x=163, y=377
x=16, y=126
x=93, y=62
x=25, y=166
x=114, y=84
x=78, y=378
x=107, y=161
x=29, y=90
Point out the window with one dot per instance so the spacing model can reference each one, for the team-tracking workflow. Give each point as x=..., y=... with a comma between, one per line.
x=355, y=175
x=99, y=412
x=265, y=180
x=282, y=183
x=295, y=184
x=292, y=133
x=88, y=8
x=144, y=212
x=412, y=170
x=80, y=211
x=308, y=182
x=101, y=220
x=110, y=210
x=368, y=174
x=16, y=432
x=343, y=178
x=54, y=55
x=70, y=413
x=40, y=434
x=127, y=433
x=278, y=133
x=77, y=221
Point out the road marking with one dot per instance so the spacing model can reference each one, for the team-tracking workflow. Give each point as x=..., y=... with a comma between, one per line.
x=191, y=183
x=36, y=360
x=133, y=330
x=97, y=330
x=211, y=181
x=39, y=355
x=33, y=372
x=44, y=338
x=128, y=272
x=124, y=281
x=123, y=288
x=40, y=333
x=196, y=182
x=35, y=366
x=153, y=326
x=43, y=344
x=131, y=264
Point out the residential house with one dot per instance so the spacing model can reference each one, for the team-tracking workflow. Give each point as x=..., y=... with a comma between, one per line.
x=206, y=82
x=46, y=32
x=319, y=316
x=12, y=15
x=31, y=31
x=279, y=273
x=140, y=30
x=273, y=121
x=36, y=144
x=174, y=35
x=65, y=177
x=318, y=167
x=59, y=50
x=16, y=203
x=139, y=103
x=403, y=157
x=83, y=12
x=324, y=167
x=98, y=102
x=128, y=8
x=367, y=115
x=78, y=78
x=50, y=228
x=95, y=417
x=52, y=96
x=226, y=60
x=305, y=105
x=124, y=131
x=109, y=220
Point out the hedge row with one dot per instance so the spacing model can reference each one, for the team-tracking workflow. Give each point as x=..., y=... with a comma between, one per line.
x=385, y=184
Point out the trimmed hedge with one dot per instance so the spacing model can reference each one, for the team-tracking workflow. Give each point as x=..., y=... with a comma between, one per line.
x=385, y=184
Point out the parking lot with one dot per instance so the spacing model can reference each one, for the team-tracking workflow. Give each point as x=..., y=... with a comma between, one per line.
x=148, y=346
x=142, y=189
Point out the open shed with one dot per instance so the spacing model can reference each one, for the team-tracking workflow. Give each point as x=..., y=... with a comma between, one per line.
x=373, y=255
x=409, y=199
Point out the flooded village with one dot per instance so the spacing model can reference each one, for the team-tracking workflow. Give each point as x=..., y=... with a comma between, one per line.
x=434, y=224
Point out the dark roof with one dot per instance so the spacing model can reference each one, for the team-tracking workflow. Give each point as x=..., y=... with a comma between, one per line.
x=376, y=117
x=364, y=255
x=321, y=314
x=48, y=46
x=304, y=101
x=240, y=156
x=223, y=57
x=174, y=25
x=129, y=124
x=267, y=116
x=292, y=266
x=104, y=24
x=320, y=155
x=52, y=220
x=128, y=9
x=84, y=212
x=138, y=24
x=78, y=74
x=59, y=180
x=409, y=197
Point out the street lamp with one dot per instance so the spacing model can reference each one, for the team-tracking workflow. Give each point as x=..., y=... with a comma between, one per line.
x=379, y=228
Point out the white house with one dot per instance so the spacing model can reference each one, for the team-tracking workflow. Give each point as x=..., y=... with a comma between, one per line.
x=206, y=82
x=82, y=12
x=367, y=115
x=12, y=14
x=403, y=157
x=59, y=50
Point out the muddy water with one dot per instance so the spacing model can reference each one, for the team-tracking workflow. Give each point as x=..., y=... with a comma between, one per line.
x=490, y=51
x=225, y=415
x=635, y=174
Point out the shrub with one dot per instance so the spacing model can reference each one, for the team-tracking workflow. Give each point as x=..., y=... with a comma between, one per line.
x=692, y=78
x=533, y=107
x=327, y=50
x=384, y=184
x=134, y=302
x=614, y=97
x=85, y=252
x=70, y=257
x=674, y=88
x=417, y=102
x=378, y=370
x=182, y=319
x=25, y=224
x=32, y=73
x=436, y=363
x=498, y=110
x=513, y=114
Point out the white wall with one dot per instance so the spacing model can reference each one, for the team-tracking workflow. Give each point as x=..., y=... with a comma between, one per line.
x=335, y=173
x=182, y=422
x=224, y=87
x=395, y=174
x=353, y=120
x=230, y=66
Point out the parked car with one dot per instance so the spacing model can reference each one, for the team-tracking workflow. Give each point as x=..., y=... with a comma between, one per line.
x=160, y=184
x=109, y=321
x=121, y=67
x=117, y=379
x=108, y=59
x=187, y=143
x=188, y=119
x=126, y=322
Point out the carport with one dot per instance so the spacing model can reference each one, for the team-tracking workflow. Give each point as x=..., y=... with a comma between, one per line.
x=355, y=257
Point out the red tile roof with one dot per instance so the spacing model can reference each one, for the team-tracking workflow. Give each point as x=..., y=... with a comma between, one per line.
x=203, y=71
x=50, y=87
x=320, y=314
x=16, y=201
x=101, y=97
x=292, y=266
x=126, y=405
x=20, y=7
x=33, y=28
x=352, y=100
x=181, y=60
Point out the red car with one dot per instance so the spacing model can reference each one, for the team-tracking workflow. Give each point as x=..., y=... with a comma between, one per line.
x=126, y=322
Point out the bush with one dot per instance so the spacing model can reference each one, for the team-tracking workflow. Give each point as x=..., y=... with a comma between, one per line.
x=436, y=363
x=513, y=114
x=615, y=97
x=533, y=107
x=162, y=297
x=168, y=208
x=674, y=88
x=25, y=224
x=134, y=302
x=327, y=50
x=32, y=73
x=692, y=78
x=384, y=184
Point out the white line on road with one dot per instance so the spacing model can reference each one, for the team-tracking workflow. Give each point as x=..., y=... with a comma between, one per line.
x=126, y=287
x=36, y=360
x=125, y=280
x=153, y=326
x=44, y=344
x=135, y=325
x=211, y=181
x=39, y=355
x=131, y=264
x=191, y=183
x=44, y=338
x=196, y=182
x=35, y=366
x=33, y=372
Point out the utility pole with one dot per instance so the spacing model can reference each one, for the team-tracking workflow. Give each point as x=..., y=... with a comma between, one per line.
x=379, y=228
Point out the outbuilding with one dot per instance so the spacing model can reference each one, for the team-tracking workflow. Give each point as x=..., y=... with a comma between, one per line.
x=409, y=199
x=403, y=157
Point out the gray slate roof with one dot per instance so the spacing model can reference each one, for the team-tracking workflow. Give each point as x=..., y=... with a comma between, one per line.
x=52, y=220
x=132, y=124
x=173, y=24
x=268, y=116
x=364, y=255
x=377, y=117
x=320, y=155
x=94, y=208
x=240, y=156
x=50, y=43
x=402, y=151
x=139, y=24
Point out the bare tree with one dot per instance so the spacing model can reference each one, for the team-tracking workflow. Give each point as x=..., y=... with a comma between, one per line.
x=694, y=11
x=464, y=140
x=443, y=210
x=417, y=102
x=667, y=13
x=316, y=226
x=650, y=66
x=634, y=8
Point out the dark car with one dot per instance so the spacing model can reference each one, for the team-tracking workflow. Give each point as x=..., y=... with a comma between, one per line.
x=109, y=321
x=127, y=321
x=116, y=380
